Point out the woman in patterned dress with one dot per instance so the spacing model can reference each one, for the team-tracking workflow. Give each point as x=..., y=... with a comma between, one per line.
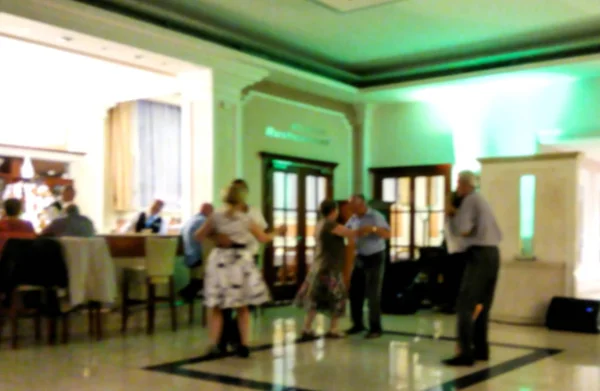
x=232, y=279
x=324, y=289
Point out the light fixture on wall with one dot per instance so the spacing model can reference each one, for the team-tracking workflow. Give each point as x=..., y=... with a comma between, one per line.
x=27, y=171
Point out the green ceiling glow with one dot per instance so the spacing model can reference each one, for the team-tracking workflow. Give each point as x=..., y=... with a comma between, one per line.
x=499, y=115
x=527, y=214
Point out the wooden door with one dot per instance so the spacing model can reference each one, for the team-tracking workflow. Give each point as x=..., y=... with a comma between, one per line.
x=417, y=196
x=293, y=191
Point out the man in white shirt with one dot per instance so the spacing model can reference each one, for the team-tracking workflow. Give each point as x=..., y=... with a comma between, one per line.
x=59, y=207
x=230, y=334
x=152, y=220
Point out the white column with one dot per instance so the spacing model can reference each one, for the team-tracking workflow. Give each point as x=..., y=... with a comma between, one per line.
x=362, y=149
x=88, y=173
x=229, y=82
x=197, y=141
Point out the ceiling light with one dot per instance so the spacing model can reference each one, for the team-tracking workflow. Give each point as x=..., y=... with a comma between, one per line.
x=65, y=39
x=18, y=30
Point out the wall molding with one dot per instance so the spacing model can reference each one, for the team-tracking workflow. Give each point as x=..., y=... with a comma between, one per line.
x=251, y=95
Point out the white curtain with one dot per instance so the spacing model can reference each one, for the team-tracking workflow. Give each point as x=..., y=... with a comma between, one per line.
x=158, y=160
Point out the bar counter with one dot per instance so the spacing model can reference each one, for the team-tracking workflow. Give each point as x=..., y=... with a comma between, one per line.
x=132, y=245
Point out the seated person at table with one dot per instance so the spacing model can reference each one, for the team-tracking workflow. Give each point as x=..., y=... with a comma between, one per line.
x=72, y=224
x=11, y=225
x=11, y=222
x=195, y=252
x=148, y=221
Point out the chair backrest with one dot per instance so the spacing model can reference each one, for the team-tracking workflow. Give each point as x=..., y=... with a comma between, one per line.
x=50, y=263
x=5, y=236
x=92, y=273
x=160, y=256
x=37, y=262
x=15, y=251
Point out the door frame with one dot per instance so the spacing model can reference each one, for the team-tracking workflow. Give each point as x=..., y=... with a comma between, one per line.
x=379, y=174
x=300, y=166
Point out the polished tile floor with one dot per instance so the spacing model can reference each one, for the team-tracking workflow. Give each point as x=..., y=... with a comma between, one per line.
x=406, y=358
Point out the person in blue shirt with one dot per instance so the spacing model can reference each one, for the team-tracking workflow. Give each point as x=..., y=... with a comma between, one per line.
x=367, y=276
x=194, y=251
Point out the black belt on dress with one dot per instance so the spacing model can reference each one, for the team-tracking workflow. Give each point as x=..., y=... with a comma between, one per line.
x=237, y=246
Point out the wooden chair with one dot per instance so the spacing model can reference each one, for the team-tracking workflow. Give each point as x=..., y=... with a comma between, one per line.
x=32, y=268
x=159, y=269
x=92, y=280
x=192, y=310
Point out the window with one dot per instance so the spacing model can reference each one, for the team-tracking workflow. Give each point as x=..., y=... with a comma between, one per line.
x=417, y=197
x=158, y=161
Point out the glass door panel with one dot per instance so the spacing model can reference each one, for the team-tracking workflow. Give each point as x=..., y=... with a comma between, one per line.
x=398, y=192
x=295, y=194
x=316, y=192
x=417, y=195
x=285, y=212
x=429, y=211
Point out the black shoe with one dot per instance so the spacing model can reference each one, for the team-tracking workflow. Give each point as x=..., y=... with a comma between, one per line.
x=308, y=335
x=373, y=335
x=214, y=352
x=482, y=356
x=355, y=330
x=459, y=361
x=242, y=351
x=481, y=352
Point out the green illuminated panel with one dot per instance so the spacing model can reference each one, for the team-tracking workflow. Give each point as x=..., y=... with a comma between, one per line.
x=297, y=134
x=281, y=164
x=527, y=214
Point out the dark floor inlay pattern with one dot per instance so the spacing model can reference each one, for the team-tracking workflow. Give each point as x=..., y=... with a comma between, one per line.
x=177, y=368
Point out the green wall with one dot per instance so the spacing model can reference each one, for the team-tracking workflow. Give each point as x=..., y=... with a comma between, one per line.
x=500, y=116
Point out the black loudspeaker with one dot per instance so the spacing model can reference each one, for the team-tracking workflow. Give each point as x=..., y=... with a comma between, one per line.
x=577, y=315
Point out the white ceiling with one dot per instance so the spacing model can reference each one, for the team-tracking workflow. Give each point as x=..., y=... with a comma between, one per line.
x=53, y=37
x=33, y=73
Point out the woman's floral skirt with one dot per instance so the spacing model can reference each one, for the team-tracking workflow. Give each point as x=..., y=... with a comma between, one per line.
x=323, y=291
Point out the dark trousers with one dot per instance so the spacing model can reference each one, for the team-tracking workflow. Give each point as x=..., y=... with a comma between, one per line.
x=366, y=281
x=231, y=333
x=478, y=286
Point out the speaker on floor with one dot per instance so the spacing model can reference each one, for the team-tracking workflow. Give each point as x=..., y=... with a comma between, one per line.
x=569, y=314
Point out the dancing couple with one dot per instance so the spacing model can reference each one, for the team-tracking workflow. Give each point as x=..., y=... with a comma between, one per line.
x=324, y=289
x=232, y=279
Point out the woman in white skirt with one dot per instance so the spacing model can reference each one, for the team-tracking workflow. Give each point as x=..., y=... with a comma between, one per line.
x=232, y=279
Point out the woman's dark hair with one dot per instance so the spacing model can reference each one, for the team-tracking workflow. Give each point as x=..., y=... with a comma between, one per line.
x=12, y=207
x=327, y=207
x=242, y=183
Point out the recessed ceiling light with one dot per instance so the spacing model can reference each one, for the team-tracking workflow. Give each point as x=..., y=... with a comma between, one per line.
x=65, y=39
x=18, y=30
